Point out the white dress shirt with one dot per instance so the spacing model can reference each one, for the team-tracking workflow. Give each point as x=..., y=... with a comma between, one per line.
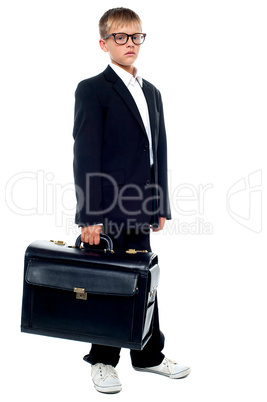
x=134, y=84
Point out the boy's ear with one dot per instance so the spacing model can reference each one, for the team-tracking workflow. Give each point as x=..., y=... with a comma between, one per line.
x=103, y=45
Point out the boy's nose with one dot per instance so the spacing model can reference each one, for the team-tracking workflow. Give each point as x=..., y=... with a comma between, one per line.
x=130, y=42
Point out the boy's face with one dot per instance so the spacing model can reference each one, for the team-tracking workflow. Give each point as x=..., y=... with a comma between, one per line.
x=123, y=56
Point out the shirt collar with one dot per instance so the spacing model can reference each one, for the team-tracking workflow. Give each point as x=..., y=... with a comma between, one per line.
x=126, y=77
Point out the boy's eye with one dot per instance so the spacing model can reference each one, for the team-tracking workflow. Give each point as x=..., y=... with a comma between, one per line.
x=120, y=37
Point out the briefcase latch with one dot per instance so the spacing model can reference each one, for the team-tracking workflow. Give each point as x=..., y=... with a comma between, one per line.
x=133, y=251
x=59, y=242
x=80, y=293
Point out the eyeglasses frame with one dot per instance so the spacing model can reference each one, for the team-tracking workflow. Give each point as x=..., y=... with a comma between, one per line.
x=128, y=36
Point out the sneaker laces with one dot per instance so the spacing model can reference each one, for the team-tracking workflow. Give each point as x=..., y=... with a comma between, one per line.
x=111, y=372
x=169, y=364
x=106, y=370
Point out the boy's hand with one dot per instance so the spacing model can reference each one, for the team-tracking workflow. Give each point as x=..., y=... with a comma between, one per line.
x=161, y=224
x=91, y=234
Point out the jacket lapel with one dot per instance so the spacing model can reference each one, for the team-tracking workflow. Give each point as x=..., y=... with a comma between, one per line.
x=125, y=94
x=150, y=99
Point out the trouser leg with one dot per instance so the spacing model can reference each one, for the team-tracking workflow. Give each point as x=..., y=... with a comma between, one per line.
x=103, y=354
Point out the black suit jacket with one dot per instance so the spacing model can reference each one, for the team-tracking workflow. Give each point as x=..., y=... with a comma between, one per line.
x=111, y=153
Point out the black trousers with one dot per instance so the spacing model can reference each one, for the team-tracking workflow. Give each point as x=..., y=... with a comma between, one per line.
x=152, y=354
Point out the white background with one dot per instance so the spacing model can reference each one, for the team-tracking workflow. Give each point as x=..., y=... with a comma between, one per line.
x=208, y=58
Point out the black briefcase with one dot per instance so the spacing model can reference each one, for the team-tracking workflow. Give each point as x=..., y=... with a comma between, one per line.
x=99, y=296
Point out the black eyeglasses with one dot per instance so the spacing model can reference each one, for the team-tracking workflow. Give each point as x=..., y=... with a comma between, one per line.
x=122, y=38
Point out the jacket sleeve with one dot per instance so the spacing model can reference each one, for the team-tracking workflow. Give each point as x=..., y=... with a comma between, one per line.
x=87, y=133
x=165, y=210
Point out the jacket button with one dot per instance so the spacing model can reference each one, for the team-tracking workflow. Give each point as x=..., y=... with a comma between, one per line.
x=147, y=182
x=145, y=148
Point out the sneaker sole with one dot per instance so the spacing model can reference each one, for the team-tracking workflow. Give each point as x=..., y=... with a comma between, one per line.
x=110, y=390
x=181, y=374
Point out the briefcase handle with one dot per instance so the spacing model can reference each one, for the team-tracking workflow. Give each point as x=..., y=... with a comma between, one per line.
x=106, y=238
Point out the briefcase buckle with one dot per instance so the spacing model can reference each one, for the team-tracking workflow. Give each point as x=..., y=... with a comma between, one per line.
x=134, y=251
x=59, y=242
x=80, y=293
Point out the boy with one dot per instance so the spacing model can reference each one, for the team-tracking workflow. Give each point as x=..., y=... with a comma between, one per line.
x=120, y=171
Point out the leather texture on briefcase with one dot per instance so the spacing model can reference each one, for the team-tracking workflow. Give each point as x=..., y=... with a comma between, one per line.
x=116, y=303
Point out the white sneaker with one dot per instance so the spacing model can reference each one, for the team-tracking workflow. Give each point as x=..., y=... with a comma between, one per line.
x=105, y=378
x=168, y=368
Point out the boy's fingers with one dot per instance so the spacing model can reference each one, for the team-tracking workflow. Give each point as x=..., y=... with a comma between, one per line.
x=91, y=234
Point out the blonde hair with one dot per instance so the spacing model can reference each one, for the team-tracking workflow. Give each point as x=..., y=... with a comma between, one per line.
x=119, y=16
